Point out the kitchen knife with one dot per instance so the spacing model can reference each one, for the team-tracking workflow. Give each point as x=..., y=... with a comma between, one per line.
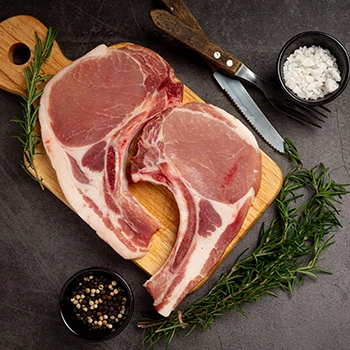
x=249, y=109
x=195, y=38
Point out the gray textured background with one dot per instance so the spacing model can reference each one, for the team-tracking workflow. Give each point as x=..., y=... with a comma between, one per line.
x=43, y=242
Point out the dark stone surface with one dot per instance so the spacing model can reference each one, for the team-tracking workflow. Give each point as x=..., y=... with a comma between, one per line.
x=42, y=242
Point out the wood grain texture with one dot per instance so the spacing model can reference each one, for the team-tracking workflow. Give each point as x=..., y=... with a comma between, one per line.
x=195, y=40
x=157, y=199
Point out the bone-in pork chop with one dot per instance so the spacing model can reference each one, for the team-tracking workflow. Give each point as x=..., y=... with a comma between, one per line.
x=90, y=113
x=212, y=164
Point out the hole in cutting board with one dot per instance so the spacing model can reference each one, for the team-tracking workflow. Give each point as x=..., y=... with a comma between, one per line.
x=19, y=54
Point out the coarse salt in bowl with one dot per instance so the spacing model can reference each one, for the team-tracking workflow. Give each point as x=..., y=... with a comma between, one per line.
x=313, y=68
x=96, y=304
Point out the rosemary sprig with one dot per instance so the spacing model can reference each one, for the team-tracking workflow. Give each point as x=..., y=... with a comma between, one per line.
x=35, y=81
x=287, y=251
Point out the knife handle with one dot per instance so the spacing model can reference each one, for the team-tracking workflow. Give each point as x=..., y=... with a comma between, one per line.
x=195, y=41
x=180, y=10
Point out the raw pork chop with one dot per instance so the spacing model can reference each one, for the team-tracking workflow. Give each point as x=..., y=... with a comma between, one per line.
x=90, y=112
x=212, y=164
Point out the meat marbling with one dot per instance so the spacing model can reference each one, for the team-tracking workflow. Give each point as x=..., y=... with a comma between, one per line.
x=90, y=113
x=212, y=164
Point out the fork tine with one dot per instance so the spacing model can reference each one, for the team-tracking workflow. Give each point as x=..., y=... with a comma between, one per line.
x=291, y=112
x=325, y=108
x=304, y=111
x=314, y=110
x=310, y=110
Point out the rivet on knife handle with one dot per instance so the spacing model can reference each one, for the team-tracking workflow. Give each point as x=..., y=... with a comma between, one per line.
x=195, y=41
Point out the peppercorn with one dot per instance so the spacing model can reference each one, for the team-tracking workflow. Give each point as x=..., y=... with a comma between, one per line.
x=93, y=307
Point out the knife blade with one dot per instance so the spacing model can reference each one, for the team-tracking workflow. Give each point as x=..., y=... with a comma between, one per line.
x=183, y=26
x=249, y=109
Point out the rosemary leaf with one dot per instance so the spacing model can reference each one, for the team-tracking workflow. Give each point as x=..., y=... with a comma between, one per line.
x=288, y=251
x=34, y=84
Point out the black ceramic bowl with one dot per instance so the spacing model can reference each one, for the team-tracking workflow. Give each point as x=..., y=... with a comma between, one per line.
x=96, y=304
x=325, y=41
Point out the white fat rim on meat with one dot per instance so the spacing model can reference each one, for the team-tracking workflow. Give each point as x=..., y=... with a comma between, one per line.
x=204, y=246
x=61, y=163
x=56, y=153
x=228, y=214
x=242, y=130
x=234, y=123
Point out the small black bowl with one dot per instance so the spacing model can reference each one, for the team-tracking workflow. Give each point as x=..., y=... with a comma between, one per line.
x=325, y=41
x=107, y=281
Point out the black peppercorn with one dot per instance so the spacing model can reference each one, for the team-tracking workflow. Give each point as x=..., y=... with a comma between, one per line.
x=95, y=308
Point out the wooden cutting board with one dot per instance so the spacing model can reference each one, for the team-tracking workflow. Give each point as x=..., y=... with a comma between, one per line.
x=18, y=33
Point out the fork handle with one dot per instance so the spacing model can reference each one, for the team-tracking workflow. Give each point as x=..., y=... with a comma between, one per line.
x=195, y=41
